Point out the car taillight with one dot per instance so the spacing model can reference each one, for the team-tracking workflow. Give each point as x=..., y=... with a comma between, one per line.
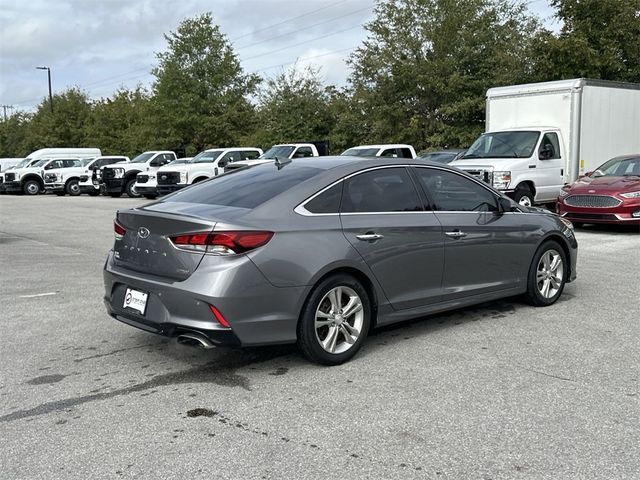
x=222, y=243
x=118, y=230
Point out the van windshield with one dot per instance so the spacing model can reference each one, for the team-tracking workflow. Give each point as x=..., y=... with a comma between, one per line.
x=503, y=145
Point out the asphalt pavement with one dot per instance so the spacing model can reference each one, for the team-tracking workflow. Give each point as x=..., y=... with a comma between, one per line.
x=498, y=391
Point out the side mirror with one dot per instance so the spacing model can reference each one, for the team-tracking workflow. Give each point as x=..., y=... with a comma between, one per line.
x=588, y=174
x=504, y=204
x=546, y=153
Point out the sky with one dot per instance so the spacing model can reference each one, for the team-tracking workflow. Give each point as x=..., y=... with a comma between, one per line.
x=102, y=45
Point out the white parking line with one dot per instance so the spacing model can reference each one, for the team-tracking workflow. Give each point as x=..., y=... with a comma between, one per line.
x=39, y=295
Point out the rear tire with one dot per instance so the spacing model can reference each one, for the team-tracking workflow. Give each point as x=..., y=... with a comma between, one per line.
x=523, y=196
x=547, y=275
x=73, y=188
x=335, y=320
x=130, y=189
x=31, y=187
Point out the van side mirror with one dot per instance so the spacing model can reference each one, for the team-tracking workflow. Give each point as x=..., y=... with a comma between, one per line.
x=546, y=152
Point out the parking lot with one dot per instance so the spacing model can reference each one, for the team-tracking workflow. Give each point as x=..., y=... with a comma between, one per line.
x=499, y=391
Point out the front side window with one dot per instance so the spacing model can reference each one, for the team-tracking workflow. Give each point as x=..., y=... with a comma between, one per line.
x=303, y=152
x=229, y=157
x=207, y=156
x=549, y=147
x=381, y=190
x=250, y=154
x=389, y=152
x=451, y=192
x=143, y=157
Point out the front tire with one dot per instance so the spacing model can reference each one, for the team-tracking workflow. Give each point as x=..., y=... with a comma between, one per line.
x=73, y=188
x=547, y=275
x=523, y=196
x=31, y=187
x=335, y=320
x=130, y=189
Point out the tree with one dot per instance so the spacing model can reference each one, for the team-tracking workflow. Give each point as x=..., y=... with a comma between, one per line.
x=293, y=106
x=421, y=75
x=599, y=39
x=121, y=125
x=65, y=127
x=14, y=134
x=201, y=92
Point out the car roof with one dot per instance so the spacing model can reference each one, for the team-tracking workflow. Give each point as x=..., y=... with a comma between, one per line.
x=355, y=163
x=384, y=145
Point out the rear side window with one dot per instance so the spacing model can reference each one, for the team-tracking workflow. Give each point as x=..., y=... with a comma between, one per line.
x=454, y=193
x=382, y=190
x=327, y=202
x=246, y=188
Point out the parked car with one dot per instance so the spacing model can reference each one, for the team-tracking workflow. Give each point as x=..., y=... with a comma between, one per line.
x=318, y=251
x=284, y=151
x=609, y=194
x=443, y=156
x=121, y=178
x=389, y=150
x=542, y=135
x=205, y=165
x=30, y=180
x=147, y=183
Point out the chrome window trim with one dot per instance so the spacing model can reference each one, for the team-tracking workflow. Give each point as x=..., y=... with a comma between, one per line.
x=301, y=210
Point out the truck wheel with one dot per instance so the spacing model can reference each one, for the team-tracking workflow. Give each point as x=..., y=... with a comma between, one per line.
x=72, y=188
x=130, y=189
x=523, y=196
x=31, y=187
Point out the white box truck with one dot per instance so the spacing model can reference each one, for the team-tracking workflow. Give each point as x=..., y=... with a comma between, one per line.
x=540, y=136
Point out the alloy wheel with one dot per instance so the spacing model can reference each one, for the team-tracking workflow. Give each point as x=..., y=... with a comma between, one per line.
x=549, y=274
x=339, y=320
x=525, y=201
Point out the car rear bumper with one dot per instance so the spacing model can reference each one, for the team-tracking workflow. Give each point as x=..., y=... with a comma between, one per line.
x=257, y=312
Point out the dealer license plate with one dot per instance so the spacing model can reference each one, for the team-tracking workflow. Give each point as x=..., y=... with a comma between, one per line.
x=136, y=300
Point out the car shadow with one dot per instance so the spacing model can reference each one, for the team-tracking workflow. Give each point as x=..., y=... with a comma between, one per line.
x=605, y=228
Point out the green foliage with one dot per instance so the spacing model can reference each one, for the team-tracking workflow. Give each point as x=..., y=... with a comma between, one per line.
x=120, y=124
x=598, y=39
x=201, y=93
x=293, y=106
x=421, y=75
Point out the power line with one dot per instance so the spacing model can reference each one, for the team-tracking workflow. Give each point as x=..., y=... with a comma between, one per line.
x=289, y=20
x=304, y=58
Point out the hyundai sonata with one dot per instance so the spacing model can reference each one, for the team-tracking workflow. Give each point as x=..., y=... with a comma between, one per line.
x=318, y=251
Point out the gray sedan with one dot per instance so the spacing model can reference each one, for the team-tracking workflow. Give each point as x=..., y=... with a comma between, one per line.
x=318, y=251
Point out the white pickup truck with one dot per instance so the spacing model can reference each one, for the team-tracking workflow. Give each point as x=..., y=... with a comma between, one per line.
x=388, y=150
x=85, y=175
x=205, y=165
x=285, y=151
x=147, y=182
x=542, y=135
x=120, y=178
x=30, y=180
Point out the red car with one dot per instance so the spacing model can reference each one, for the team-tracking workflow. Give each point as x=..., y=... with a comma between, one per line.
x=610, y=194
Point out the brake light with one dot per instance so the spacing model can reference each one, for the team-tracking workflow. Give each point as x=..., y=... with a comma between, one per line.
x=118, y=230
x=221, y=320
x=222, y=243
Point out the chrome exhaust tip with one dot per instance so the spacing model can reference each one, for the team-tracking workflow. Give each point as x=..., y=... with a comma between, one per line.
x=194, y=339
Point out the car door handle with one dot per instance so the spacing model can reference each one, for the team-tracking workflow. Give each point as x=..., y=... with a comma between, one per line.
x=369, y=237
x=455, y=234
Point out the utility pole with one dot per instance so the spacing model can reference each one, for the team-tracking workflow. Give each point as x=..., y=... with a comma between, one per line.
x=5, y=107
x=48, y=75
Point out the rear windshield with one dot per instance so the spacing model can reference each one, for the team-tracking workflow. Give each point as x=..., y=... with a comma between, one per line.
x=245, y=188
